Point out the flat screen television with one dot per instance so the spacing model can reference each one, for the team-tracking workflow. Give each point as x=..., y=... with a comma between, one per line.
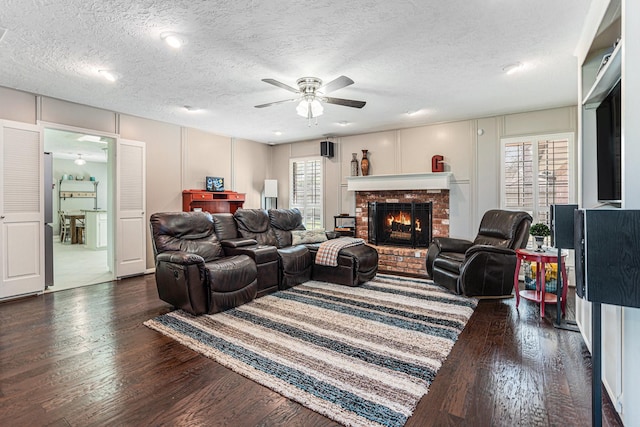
x=214, y=183
x=609, y=147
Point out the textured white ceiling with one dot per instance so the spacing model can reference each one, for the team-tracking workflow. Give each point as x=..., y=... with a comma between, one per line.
x=444, y=58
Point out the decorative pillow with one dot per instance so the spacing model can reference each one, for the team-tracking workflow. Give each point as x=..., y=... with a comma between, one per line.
x=299, y=237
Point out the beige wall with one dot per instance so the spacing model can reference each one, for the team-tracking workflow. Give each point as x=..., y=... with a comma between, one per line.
x=17, y=106
x=205, y=155
x=78, y=115
x=251, y=166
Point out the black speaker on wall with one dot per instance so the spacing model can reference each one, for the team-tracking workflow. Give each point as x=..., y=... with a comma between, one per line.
x=326, y=148
x=607, y=244
x=562, y=225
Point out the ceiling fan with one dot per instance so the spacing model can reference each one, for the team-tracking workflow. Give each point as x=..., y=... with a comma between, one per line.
x=311, y=93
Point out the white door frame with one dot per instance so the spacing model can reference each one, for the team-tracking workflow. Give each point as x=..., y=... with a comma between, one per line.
x=22, y=225
x=111, y=239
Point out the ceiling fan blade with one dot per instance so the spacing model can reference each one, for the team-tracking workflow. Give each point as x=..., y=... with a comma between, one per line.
x=275, y=103
x=282, y=85
x=345, y=102
x=339, y=83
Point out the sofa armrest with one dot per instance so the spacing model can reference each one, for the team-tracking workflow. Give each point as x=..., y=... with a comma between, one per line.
x=488, y=271
x=238, y=242
x=181, y=279
x=182, y=258
x=261, y=254
x=449, y=244
x=332, y=234
x=444, y=244
x=489, y=249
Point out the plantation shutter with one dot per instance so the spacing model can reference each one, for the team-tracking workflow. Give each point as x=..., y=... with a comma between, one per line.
x=306, y=190
x=536, y=173
x=553, y=176
x=518, y=176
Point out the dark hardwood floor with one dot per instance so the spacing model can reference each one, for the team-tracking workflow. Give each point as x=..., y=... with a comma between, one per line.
x=82, y=357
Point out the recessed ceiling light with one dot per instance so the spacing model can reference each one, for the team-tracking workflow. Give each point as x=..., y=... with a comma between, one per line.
x=91, y=138
x=277, y=132
x=343, y=123
x=109, y=75
x=174, y=40
x=412, y=112
x=191, y=108
x=513, y=68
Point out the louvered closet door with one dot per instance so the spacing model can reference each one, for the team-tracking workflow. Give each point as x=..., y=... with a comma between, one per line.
x=131, y=225
x=22, y=210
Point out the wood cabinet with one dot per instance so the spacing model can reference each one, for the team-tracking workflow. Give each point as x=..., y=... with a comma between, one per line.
x=211, y=201
x=345, y=225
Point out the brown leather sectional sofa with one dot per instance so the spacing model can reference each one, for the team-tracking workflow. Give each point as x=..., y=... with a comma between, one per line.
x=206, y=263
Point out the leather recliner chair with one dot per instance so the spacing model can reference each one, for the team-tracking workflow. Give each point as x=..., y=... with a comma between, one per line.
x=193, y=272
x=486, y=266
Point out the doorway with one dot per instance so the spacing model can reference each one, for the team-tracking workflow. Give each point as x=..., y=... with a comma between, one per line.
x=81, y=206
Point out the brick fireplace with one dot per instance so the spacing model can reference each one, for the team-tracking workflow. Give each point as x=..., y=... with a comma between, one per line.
x=377, y=189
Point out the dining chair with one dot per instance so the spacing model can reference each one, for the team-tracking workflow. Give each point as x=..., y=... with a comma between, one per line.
x=65, y=227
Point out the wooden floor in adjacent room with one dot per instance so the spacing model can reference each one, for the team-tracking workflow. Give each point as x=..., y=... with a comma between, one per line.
x=83, y=357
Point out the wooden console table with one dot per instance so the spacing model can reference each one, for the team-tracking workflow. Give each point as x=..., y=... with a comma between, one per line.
x=212, y=201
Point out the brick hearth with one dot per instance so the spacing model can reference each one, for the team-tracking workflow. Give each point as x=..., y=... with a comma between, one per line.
x=401, y=259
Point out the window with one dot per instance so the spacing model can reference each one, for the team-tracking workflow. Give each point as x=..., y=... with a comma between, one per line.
x=537, y=171
x=306, y=190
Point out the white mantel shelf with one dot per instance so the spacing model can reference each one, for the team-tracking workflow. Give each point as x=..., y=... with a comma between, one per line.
x=407, y=181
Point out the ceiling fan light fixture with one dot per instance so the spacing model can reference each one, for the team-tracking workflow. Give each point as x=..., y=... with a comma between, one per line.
x=80, y=161
x=310, y=108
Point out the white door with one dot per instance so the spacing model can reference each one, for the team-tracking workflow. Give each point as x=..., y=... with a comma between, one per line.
x=131, y=226
x=21, y=210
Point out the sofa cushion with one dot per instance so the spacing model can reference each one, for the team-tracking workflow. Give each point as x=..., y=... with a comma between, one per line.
x=225, y=226
x=450, y=261
x=283, y=221
x=299, y=237
x=191, y=232
x=254, y=224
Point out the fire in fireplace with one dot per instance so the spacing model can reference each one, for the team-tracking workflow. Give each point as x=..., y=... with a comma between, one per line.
x=400, y=224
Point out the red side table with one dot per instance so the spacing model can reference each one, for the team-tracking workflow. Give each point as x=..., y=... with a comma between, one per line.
x=539, y=295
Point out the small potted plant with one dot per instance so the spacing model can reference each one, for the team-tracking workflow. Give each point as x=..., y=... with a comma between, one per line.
x=539, y=231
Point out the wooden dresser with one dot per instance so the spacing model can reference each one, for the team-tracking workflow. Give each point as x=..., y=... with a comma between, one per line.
x=212, y=201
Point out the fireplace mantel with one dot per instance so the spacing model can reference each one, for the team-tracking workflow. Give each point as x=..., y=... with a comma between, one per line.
x=407, y=181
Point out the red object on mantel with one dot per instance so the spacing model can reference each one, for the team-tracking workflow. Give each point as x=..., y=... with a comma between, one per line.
x=436, y=163
x=212, y=202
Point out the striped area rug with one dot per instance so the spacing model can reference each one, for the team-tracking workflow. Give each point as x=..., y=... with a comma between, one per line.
x=361, y=356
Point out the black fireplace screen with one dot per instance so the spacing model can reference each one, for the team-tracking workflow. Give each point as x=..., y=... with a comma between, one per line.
x=400, y=224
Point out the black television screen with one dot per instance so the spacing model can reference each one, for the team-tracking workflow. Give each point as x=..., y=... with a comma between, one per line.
x=609, y=147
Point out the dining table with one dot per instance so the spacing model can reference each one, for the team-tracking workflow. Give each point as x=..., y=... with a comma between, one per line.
x=76, y=225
